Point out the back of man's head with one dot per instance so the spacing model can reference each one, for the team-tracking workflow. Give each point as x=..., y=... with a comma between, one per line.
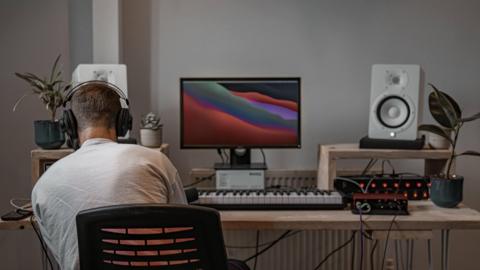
x=95, y=105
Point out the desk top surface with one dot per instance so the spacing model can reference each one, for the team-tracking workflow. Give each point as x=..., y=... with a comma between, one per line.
x=423, y=216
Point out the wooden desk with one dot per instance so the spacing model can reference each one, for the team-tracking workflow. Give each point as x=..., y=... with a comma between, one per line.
x=423, y=219
x=423, y=216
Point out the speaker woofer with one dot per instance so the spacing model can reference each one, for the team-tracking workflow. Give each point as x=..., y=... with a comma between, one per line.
x=393, y=112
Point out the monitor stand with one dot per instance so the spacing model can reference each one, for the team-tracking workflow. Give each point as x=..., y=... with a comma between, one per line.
x=240, y=160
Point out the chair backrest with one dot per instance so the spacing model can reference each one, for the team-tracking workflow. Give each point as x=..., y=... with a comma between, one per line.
x=150, y=236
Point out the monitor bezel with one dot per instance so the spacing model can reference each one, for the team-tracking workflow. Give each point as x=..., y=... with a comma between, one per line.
x=217, y=146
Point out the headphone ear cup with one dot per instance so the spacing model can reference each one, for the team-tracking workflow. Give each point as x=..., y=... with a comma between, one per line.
x=124, y=122
x=68, y=124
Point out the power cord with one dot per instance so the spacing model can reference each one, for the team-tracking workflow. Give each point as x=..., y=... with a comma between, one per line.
x=220, y=153
x=386, y=240
x=227, y=157
x=264, y=157
x=256, y=250
x=42, y=243
x=390, y=164
x=361, y=238
x=335, y=251
x=263, y=244
x=370, y=164
x=203, y=179
x=372, y=252
x=268, y=247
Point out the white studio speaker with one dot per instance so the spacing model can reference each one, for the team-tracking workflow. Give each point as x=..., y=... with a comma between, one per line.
x=112, y=73
x=395, y=102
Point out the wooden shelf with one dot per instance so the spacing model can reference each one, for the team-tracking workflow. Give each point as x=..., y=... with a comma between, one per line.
x=435, y=160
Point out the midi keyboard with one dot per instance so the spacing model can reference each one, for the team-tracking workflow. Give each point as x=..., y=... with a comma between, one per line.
x=278, y=199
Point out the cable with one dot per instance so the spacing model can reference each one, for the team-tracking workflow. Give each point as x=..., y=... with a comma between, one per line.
x=353, y=254
x=372, y=252
x=219, y=152
x=390, y=164
x=360, y=210
x=26, y=207
x=203, y=179
x=44, y=248
x=335, y=251
x=227, y=157
x=350, y=181
x=268, y=247
x=263, y=244
x=264, y=158
x=386, y=240
x=369, y=165
x=256, y=250
x=368, y=184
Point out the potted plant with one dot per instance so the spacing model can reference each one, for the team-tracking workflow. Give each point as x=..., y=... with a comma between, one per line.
x=50, y=90
x=447, y=189
x=151, y=131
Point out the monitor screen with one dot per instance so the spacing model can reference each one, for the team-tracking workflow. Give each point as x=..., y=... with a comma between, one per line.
x=240, y=112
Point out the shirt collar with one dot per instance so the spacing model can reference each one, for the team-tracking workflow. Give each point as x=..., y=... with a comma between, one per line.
x=96, y=141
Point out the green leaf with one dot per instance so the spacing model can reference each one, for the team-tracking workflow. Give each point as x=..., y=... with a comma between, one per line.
x=444, y=108
x=469, y=153
x=54, y=68
x=20, y=100
x=35, y=77
x=471, y=118
x=436, y=130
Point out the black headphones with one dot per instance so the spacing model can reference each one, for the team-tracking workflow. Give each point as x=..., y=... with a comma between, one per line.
x=68, y=122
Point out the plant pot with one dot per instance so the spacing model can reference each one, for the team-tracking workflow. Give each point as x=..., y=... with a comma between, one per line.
x=446, y=193
x=48, y=134
x=435, y=141
x=151, y=137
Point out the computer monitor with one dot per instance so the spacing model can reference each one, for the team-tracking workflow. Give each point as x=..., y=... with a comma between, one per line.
x=240, y=113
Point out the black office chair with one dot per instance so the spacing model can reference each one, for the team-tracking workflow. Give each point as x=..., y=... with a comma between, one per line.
x=152, y=236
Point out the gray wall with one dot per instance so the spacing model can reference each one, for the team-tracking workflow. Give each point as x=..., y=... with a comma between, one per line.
x=80, y=32
x=331, y=45
x=32, y=34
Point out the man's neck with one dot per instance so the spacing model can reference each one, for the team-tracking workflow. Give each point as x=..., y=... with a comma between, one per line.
x=97, y=133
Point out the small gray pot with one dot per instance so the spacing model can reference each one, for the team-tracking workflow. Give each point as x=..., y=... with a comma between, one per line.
x=151, y=137
x=447, y=193
x=48, y=134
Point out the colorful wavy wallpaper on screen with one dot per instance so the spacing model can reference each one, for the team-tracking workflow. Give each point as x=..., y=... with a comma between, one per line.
x=240, y=113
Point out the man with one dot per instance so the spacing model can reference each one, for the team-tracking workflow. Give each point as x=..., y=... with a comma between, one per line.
x=102, y=172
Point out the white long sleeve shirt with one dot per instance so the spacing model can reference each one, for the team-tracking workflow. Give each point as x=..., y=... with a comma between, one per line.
x=100, y=173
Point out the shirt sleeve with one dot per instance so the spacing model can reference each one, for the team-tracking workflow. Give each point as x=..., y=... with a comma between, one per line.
x=177, y=194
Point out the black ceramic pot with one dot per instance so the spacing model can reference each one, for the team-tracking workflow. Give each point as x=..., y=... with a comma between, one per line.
x=447, y=193
x=48, y=134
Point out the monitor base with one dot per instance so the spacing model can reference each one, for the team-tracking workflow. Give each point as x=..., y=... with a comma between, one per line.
x=250, y=166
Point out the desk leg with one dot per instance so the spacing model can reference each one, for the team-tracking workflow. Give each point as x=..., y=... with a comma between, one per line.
x=397, y=255
x=327, y=169
x=445, y=242
x=429, y=255
x=410, y=246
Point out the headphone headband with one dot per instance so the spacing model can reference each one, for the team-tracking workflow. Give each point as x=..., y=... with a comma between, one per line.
x=112, y=86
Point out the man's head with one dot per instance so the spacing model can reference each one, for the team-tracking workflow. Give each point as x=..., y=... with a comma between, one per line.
x=96, y=108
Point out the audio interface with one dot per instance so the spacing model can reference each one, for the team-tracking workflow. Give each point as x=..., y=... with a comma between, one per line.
x=379, y=204
x=409, y=186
